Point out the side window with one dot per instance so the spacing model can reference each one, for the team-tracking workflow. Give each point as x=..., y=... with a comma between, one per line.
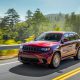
x=66, y=36
x=76, y=36
x=71, y=36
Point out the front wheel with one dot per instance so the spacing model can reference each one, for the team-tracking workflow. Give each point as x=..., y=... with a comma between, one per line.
x=55, y=60
x=23, y=62
x=77, y=57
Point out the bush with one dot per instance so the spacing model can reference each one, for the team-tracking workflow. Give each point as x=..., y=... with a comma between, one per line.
x=19, y=42
x=10, y=42
x=1, y=41
x=57, y=29
x=31, y=38
x=8, y=52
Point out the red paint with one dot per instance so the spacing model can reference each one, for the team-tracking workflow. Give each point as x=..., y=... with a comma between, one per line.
x=41, y=43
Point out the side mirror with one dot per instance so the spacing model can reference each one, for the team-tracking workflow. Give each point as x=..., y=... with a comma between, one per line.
x=64, y=40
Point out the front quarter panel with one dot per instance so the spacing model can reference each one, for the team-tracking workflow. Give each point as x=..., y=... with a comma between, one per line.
x=56, y=48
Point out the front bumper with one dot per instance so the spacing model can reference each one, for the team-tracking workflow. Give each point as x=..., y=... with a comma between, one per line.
x=38, y=58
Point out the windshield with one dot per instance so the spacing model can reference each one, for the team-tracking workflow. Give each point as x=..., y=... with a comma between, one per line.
x=49, y=37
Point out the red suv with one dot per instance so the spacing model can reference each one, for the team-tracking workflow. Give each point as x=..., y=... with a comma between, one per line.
x=50, y=48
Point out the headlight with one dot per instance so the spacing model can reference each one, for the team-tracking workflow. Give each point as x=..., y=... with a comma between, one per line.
x=45, y=49
x=21, y=46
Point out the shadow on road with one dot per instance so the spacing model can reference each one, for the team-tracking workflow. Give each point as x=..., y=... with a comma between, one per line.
x=40, y=70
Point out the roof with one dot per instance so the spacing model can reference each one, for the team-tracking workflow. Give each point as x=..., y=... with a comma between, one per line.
x=62, y=32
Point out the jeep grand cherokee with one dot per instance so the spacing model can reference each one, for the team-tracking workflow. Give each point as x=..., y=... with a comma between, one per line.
x=50, y=48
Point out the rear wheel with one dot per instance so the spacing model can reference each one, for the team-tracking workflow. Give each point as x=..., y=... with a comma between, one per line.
x=77, y=57
x=55, y=60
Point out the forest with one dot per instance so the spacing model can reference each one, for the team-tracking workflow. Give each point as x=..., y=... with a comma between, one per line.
x=15, y=31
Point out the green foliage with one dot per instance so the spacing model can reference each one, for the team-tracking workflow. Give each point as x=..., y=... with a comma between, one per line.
x=1, y=41
x=12, y=31
x=38, y=20
x=9, y=52
x=12, y=16
x=57, y=29
x=3, y=52
x=56, y=19
x=31, y=38
x=72, y=22
x=19, y=42
x=22, y=30
x=9, y=42
x=29, y=14
x=7, y=23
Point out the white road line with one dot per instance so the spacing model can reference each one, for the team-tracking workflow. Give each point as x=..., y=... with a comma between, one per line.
x=8, y=63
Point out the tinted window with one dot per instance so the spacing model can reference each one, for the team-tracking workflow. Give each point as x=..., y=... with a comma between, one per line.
x=71, y=36
x=66, y=36
x=49, y=37
x=76, y=36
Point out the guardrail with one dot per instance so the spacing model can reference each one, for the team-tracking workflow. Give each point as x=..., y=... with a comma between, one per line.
x=8, y=47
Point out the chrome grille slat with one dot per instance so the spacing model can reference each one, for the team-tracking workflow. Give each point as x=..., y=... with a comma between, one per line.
x=31, y=49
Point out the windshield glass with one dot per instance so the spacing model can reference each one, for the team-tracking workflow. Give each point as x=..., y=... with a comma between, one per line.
x=49, y=37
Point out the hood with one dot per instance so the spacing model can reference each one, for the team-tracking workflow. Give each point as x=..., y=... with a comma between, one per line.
x=41, y=43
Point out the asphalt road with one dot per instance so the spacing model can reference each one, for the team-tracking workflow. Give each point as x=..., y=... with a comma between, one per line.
x=13, y=70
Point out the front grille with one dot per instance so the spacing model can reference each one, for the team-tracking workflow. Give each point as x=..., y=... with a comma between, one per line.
x=31, y=49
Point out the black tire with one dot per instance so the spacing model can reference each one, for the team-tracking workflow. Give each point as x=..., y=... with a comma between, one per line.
x=77, y=57
x=24, y=62
x=55, y=61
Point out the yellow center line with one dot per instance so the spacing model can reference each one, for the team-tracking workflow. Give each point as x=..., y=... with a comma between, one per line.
x=67, y=75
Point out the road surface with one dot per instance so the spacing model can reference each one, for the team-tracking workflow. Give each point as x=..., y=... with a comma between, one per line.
x=12, y=69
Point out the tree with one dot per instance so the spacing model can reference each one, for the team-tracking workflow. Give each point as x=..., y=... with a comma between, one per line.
x=22, y=30
x=73, y=22
x=29, y=14
x=8, y=23
x=4, y=28
x=67, y=22
x=13, y=17
x=29, y=17
x=38, y=19
x=11, y=28
x=4, y=23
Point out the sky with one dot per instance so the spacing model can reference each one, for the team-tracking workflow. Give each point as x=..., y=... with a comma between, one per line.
x=46, y=6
